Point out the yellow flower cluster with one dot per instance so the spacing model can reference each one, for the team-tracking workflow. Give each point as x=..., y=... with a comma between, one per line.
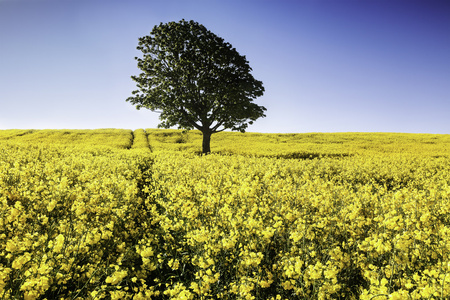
x=333, y=216
x=322, y=228
x=72, y=215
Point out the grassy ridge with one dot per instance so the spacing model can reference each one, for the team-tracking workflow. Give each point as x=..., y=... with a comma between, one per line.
x=93, y=214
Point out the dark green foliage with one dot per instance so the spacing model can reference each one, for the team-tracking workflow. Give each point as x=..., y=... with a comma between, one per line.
x=195, y=79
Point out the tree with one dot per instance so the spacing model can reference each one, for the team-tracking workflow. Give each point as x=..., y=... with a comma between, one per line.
x=195, y=79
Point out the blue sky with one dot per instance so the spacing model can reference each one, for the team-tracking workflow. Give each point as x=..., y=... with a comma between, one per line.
x=326, y=65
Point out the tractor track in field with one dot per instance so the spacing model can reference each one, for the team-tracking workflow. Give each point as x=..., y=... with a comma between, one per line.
x=132, y=140
x=139, y=139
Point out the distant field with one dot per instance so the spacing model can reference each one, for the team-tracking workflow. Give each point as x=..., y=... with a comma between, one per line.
x=302, y=145
x=122, y=214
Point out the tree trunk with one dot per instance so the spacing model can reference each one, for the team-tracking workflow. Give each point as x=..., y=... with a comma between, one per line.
x=206, y=142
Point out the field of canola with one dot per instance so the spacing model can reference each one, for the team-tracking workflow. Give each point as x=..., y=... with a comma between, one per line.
x=121, y=214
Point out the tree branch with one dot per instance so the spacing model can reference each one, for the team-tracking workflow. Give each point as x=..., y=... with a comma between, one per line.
x=216, y=131
x=190, y=121
x=217, y=126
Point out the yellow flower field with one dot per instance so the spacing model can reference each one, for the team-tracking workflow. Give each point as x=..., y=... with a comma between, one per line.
x=121, y=214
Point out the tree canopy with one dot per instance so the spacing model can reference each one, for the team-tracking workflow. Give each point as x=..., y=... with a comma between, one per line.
x=195, y=79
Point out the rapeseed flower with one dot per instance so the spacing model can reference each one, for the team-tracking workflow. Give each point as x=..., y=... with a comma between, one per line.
x=320, y=218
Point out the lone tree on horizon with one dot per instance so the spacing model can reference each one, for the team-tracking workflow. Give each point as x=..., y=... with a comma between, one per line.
x=195, y=79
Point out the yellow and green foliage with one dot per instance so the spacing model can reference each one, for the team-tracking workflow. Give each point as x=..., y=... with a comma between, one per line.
x=268, y=216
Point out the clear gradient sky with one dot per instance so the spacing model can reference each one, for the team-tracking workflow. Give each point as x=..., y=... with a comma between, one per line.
x=326, y=65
